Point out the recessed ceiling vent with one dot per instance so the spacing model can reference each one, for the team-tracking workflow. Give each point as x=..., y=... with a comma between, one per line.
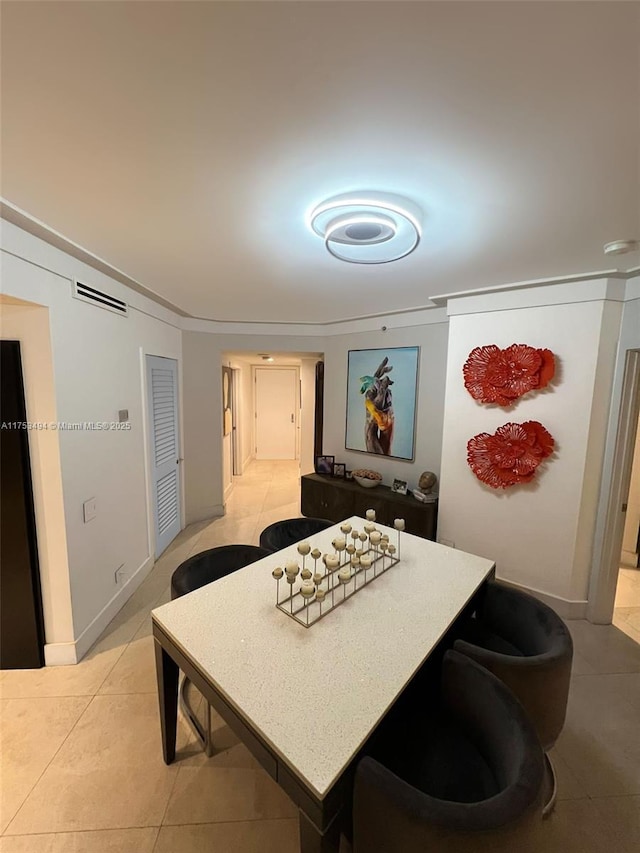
x=99, y=298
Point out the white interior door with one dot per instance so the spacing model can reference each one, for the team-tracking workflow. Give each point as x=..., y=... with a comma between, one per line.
x=162, y=393
x=276, y=412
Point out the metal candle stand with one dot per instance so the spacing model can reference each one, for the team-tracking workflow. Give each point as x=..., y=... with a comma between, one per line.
x=343, y=574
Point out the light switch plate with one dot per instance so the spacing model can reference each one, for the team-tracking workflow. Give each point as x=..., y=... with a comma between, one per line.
x=89, y=510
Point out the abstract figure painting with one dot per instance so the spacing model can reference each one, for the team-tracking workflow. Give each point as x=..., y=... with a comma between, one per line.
x=381, y=401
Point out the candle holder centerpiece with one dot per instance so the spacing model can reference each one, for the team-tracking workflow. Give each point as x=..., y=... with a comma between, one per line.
x=357, y=559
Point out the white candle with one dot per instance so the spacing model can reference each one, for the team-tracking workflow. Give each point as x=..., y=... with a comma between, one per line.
x=277, y=573
x=365, y=561
x=399, y=523
x=291, y=567
x=304, y=548
x=345, y=528
x=375, y=537
x=371, y=514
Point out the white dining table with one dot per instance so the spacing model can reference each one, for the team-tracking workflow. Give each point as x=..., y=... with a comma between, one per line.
x=306, y=700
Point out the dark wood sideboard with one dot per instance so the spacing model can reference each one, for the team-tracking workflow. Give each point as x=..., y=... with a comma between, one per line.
x=335, y=499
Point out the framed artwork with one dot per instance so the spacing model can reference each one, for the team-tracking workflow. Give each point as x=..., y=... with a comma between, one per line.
x=339, y=469
x=324, y=464
x=399, y=486
x=382, y=389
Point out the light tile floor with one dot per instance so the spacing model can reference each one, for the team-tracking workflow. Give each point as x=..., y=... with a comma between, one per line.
x=626, y=614
x=82, y=771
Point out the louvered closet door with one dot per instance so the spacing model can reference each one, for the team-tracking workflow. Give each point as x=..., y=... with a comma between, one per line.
x=162, y=390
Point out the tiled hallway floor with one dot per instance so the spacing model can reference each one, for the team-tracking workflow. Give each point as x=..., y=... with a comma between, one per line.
x=626, y=614
x=82, y=770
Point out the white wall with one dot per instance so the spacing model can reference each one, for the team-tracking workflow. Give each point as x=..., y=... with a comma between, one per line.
x=432, y=340
x=97, y=360
x=307, y=413
x=540, y=534
x=246, y=418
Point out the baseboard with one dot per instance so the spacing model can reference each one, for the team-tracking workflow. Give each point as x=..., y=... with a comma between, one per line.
x=228, y=490
x=60, y=654
x=205, y=513
x=629, y=559
x=65, y=654
x=564, y=607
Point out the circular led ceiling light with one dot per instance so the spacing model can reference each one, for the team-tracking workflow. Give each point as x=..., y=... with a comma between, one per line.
x=367, y=227
x=621, y=247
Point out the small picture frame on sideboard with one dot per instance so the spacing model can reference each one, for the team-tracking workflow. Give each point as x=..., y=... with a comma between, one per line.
x=339, y=470
x=399, y=486
x=324, y=464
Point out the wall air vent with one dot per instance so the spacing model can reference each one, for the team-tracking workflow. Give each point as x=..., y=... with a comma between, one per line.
x=99, y=298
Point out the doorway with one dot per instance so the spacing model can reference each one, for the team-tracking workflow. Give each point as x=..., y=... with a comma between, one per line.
x=626, y=612
x=276, y=412
x=605, y=602
x=164, y=448
x=21, y=618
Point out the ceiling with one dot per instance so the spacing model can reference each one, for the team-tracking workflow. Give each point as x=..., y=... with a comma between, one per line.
x=185, y=143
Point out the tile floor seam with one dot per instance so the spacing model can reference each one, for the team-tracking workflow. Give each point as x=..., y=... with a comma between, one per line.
x=125, y=647
x=227, y=822
x=155, y=840
x=44, y=770
x=78, y=831
x=616, y=797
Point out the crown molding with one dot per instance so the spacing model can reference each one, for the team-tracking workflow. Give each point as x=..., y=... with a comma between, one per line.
x=435, y=311
x=21, y=219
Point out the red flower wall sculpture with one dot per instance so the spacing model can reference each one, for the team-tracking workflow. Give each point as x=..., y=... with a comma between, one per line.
x=494, y=375
x=509, y=456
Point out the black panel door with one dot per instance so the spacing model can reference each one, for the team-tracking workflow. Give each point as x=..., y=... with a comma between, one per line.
x=21, y=624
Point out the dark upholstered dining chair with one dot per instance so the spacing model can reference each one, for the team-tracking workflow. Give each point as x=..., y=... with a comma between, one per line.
x=527, y=646
x=196, y=572
x=463, y=778
x=281, y=534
